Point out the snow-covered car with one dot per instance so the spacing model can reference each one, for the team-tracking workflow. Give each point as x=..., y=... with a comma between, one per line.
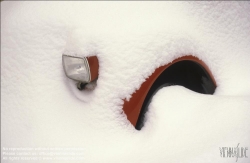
x=119, y=82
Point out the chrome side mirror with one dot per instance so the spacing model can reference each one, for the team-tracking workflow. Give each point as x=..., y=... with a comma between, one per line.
x=83, y=70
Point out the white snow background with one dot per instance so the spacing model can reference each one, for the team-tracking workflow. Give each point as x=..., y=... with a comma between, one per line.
x=40, y=107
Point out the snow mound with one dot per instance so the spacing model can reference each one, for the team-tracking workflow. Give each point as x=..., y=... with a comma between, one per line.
x=40, y=107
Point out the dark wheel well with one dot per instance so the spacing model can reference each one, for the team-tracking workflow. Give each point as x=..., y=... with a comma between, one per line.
x=185, y=73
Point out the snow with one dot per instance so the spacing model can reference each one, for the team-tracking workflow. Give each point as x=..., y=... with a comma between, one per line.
x=40, y=107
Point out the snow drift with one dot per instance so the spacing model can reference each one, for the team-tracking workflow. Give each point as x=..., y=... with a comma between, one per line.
x=40, y=107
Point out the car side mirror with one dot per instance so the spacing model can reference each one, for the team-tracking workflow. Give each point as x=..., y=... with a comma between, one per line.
x=83, y=70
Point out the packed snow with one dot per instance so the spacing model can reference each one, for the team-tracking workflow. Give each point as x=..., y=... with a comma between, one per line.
x=41, y=107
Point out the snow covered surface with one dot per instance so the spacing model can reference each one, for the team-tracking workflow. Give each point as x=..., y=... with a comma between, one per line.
x=40, y=107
